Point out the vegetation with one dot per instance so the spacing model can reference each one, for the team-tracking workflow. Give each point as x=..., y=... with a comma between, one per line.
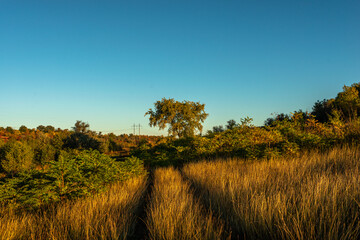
x=16, y=157
x=183, y=118
x=293, y=178
x=315, y=196
x=109, y=215
x=332, y=122
x=70, y=177
x=63, y=139
x=175, y=214
x=81, y=127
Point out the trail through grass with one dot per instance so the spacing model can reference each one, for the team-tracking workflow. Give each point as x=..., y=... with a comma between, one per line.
x=316, y=196
x=174, y=213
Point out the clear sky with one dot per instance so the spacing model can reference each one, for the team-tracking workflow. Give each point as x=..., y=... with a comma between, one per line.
x=107, y=62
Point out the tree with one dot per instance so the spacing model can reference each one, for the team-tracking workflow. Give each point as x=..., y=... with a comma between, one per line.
x=23, y=129
x=82, y=138
x=49, y=128
x=46, y=129
x=218, y=129
x=277, y=119
x=10, y=130
x=246, y=122
x=231, y=124
x=44, y=153
x=81, y=141
x=322, y=110
x=16, y=157
x=183, y=118
x=81, y=127
x=348, y=101
x=41, y=128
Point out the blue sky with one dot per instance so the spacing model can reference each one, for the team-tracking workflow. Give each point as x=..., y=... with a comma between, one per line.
x=107, y=62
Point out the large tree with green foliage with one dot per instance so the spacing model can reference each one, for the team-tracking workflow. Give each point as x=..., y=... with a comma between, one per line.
x=322, y=110
x=183, y=118
x=346, y=104
x=348, y=101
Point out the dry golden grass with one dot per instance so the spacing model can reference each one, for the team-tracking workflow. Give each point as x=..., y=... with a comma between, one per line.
x=110, y=215
x=173, y=212
x=316, y=196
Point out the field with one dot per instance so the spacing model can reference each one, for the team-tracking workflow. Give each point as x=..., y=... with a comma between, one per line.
x=313, y=196
x=174, y=213
x=316, y=196
x=111, y=215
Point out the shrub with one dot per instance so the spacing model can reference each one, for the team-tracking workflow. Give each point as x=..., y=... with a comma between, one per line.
x=2, y=143
x=71, y=177
x=81, y=141
x=16, y=157
x=89, y=172
x=44, y=154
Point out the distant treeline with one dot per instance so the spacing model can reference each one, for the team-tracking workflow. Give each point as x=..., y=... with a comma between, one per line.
x=79, y=137
x=46, y=165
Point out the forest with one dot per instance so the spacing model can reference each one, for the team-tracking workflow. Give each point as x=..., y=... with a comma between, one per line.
x=295, y=177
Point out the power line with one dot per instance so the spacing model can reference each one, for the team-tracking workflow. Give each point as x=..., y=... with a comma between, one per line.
x=134, y=126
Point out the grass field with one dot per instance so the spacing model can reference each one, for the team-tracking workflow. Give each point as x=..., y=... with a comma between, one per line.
x=110, y=215
x=314, y=196
x=174, y=213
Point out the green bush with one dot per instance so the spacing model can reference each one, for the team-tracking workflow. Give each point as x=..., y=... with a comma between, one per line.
x=44, y=153
x=2, y=143
x=16, y=157
x=71, y=177
x=81, y=141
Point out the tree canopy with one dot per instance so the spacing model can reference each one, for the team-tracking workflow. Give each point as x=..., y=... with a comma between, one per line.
x=346, y=104
x=81, y=127
x=231, y=124
x=183, y=118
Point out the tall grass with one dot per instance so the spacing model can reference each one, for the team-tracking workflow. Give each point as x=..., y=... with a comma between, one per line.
x=316, y=196
x=173, y=212
x=110, y=215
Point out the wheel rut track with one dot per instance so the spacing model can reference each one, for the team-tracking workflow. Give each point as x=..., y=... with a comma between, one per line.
x=140, y=231
x=235, y=235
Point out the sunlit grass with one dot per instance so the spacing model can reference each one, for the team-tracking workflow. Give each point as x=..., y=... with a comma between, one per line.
x=174, y=213
x=110, y=215
x=316, y=196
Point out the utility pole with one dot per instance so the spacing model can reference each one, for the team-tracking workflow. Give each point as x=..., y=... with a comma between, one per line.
x=139, y=128
x=134, y=127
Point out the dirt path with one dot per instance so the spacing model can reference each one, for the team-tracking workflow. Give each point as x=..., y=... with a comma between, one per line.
x=140, y=231
x=235, y=235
